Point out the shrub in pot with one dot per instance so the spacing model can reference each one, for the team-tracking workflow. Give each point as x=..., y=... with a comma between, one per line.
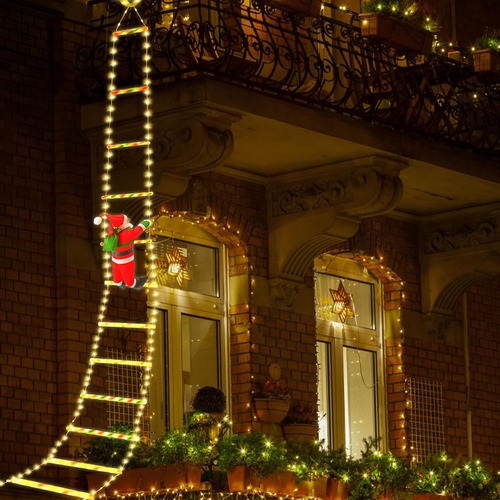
x=377, y=474
x=486, y=51
x=251, y=459
x=402, y=24
x=210, y=400
x=301, y=423
x=471, y=480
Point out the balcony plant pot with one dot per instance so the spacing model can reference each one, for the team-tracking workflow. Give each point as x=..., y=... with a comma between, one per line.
x=146, y=478
x=335, y=489
x=317, y=488
x=308, y=8
x=396, y=33
x=271, y=410
x=242, y=478
x=486, y=60
x=305, y=433
x=430, y=496
x=283, y=483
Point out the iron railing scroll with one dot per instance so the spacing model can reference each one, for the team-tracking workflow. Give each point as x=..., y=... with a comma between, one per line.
x=322, y=62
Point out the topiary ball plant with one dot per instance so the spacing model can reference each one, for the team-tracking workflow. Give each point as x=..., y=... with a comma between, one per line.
x=209, y=399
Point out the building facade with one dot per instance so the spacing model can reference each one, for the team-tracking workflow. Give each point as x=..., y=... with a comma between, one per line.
x=281, y=180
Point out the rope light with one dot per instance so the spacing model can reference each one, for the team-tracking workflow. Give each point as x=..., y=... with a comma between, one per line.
x=113, y=94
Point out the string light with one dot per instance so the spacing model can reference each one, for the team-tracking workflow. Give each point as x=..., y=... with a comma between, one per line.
x=106, y=187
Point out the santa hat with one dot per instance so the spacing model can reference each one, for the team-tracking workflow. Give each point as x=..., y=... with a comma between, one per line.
x=115, y=221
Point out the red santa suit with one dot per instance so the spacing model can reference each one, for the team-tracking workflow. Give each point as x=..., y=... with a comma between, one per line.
x=123, y=259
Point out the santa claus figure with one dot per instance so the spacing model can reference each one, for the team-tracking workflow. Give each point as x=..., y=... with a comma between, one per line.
x=120, y=242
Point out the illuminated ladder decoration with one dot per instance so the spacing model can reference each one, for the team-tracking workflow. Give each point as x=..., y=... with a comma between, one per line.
x=145, y=192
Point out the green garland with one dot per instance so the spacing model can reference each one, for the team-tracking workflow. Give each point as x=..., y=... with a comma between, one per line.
x=371, y=476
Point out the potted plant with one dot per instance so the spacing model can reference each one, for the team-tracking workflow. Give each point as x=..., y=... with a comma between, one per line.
x=273, y=406
x=210, y=400
x=472, y=480
x=310, y=464
x=378, y=475
x=486, y=51
x=338, y=470
x=257, y=462
x=173, y=461
x=401, y=24
x=301, y=423
x=430, y=478
x=110, y=452
x=209, y=405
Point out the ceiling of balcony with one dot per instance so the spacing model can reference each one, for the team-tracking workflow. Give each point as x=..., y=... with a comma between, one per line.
x=274, y=138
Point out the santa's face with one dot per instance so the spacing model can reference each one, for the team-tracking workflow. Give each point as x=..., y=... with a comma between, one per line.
x=126, y=224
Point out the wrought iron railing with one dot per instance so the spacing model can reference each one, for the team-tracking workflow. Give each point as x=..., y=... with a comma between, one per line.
x=322, y=62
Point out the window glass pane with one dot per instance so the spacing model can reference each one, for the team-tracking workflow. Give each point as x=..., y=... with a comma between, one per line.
x=360, y=398
x=324, y=377
x=200, y=356
x=362, y=300
x=200, y=262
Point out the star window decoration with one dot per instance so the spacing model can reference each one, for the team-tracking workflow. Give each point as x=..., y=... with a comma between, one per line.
x=130, y=3
x=175, y=266
x=342, y=303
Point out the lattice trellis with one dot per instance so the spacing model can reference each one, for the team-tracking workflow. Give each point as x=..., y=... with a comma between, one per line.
x=425, y=417
x=126, y=381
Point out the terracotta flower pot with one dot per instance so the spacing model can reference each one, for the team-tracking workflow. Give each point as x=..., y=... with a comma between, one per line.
x=242, y=478
x=315, y=488
x=335, y=489
x=396, y=32
x=486, y=60
x=306, y=433
x=271, y=410
x=430, y=496
x=146, y=478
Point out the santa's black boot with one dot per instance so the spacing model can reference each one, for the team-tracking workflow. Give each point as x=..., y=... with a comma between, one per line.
x=139, y=282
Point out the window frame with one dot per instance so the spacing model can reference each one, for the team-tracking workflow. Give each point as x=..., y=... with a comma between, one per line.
x=166, y=400
x=338, y=335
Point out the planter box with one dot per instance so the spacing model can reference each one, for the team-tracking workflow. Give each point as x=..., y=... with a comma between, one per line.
x=316, y=488
x=242, y=479
x=308, y=8
x=306, y=433
x=396, y=33
x=335, y=489
x=486, y=60
x=147, y=478
x=271, y=410
x=431, y=496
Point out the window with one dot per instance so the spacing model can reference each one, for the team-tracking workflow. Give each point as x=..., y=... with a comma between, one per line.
x=191, y=343
x=350, y=361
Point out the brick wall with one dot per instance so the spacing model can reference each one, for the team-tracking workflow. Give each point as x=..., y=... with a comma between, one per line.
x=483, y=312
x=51, y=283
x=28, y=341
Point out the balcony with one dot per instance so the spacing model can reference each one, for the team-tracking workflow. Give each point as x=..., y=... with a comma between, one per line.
x=321, y=62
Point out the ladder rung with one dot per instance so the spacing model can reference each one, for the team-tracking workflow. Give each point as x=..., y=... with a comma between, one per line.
x=52, y=487
x=127, y=362
x=131, y=31
x=83, y=465
x=122, y=145
x=139, y=326
x=126, y=195
x=130, y=90
x=114, y=399
x=103, y=434
x=146, y=285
